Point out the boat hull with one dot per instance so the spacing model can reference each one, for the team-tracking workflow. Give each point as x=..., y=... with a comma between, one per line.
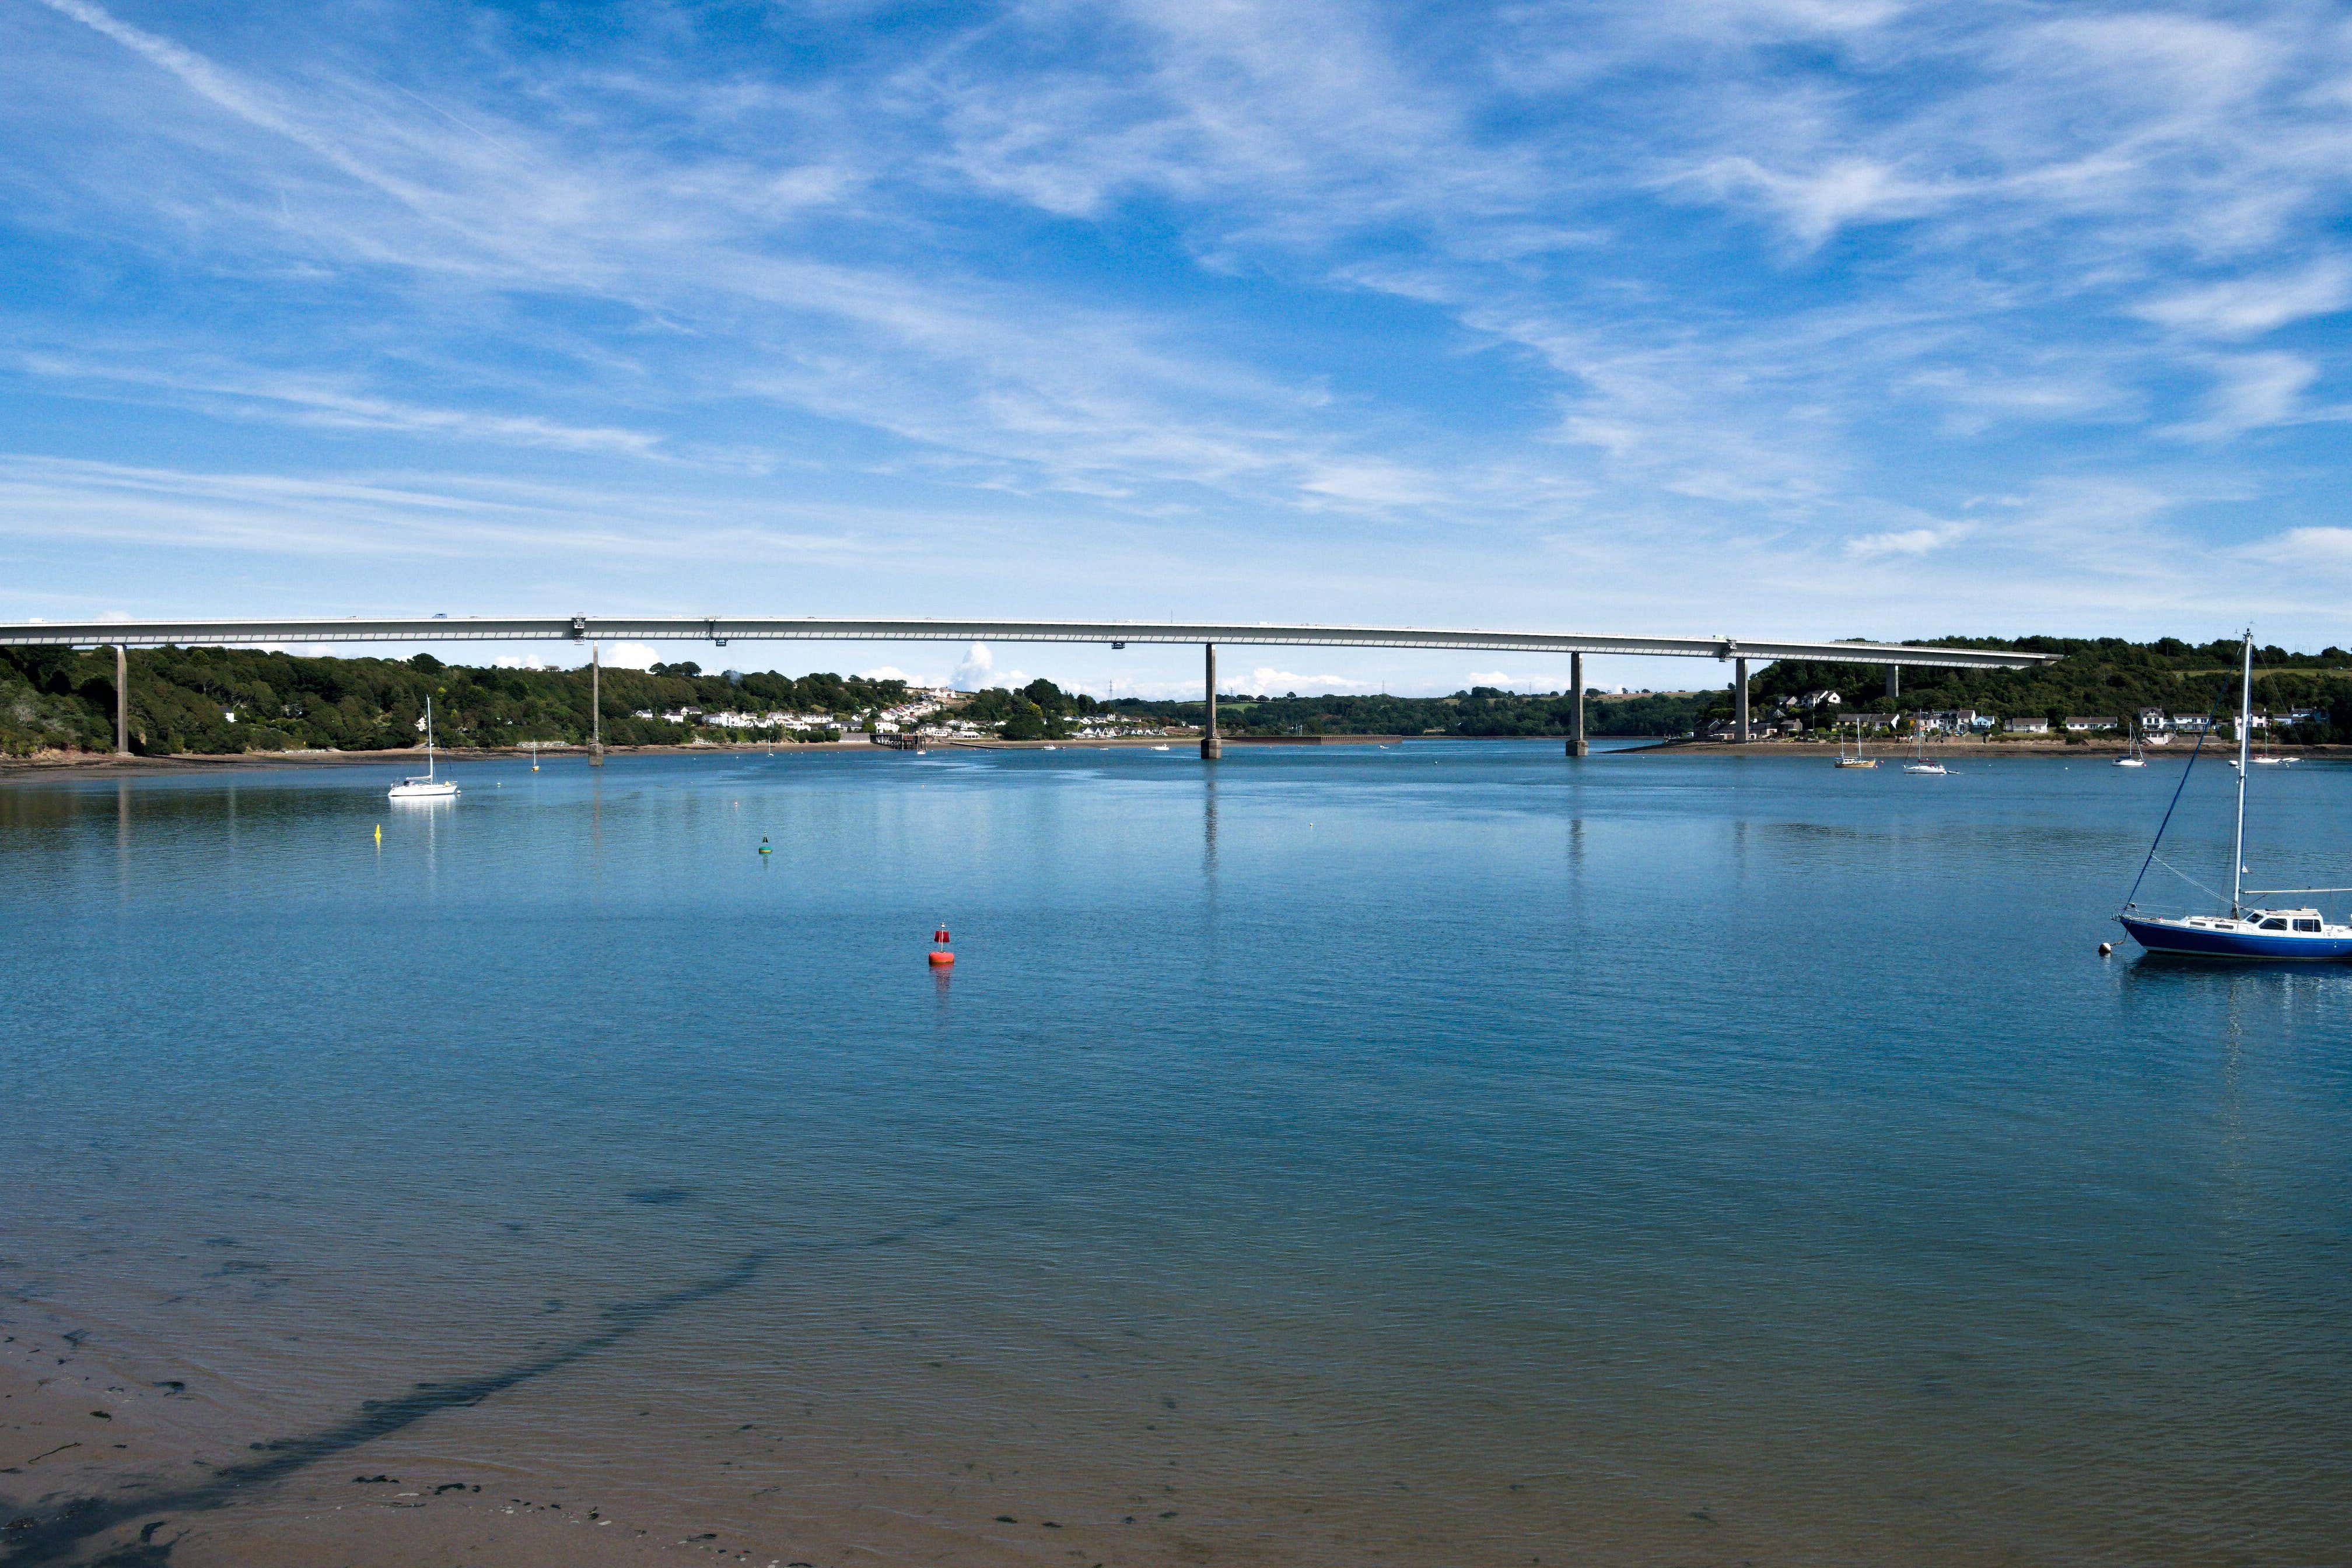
x=2269, y=947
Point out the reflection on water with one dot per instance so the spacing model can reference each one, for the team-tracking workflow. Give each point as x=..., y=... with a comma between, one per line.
x=1427, y=1155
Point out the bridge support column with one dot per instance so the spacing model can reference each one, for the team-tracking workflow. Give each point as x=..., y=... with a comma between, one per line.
x=1211, y=748
x=1894, y=682
x=122, y=702
x=595, y=705
x=1739, y=698
x=1577, y=747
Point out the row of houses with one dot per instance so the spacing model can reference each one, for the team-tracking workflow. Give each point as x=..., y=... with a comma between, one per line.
x=2149, y=721
x=730, y=720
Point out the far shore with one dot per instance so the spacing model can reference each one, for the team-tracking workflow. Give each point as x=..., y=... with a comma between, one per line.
x=85, y=765
x=80, y=764
x=1890, y=748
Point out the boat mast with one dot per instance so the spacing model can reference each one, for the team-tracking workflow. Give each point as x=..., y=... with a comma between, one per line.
x=428, y=737
x=2245, y=730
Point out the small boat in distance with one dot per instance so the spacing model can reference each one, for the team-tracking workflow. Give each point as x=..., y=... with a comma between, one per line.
x=427, y=787
x=2270, y=759
x=2246, y=931
x=1857, y=759
x=1920, y=762
x=2132, y=759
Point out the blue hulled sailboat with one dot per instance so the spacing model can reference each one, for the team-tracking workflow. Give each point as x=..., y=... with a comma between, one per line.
x=2246, y=931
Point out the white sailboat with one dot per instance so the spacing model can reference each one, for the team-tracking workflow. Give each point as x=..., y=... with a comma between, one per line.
x=427, y=787
x=1857, y=759
x=2132, y=759
x=1921, y=762
x=2248, y=932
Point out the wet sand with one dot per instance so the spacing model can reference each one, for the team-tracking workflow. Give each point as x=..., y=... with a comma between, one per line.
x=133, y=1459
x=140, y=1460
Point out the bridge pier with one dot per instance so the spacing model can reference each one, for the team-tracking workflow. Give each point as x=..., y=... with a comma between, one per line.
x=1576, y=746
x=121, y=700
x=1740, y=699
x=595, y=705
x=1211, y=748
x=1894, y=683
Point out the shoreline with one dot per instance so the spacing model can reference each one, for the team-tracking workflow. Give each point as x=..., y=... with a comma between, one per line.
x=72, y=765
x=88, y=764
x=1896, y=751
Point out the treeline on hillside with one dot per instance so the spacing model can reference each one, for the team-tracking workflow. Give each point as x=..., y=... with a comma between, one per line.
x=2104, y=676
x=182, y=699
x=1040, y=710
x=1483, y=710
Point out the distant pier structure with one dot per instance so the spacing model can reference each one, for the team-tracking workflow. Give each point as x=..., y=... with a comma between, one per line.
x=1740, y=653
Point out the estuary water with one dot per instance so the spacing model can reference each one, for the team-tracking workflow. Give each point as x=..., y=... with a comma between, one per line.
x=1449, y=1153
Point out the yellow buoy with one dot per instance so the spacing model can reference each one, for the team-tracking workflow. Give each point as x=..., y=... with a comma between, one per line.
x=379, y=833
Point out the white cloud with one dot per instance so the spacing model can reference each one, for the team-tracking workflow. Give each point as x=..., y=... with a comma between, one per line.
x=1906, y=540
x=1267, y=681
x=1843, y=191
x=975, y=670
x=2247, y=307
x=2324, y=548
x=1373, y=483
x=2250, y=391
x=632, y=655
x=314, y=401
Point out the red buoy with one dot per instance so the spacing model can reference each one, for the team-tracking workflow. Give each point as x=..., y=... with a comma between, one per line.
x=941, y=956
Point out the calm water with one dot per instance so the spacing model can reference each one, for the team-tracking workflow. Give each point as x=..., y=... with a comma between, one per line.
x=1442, y=1154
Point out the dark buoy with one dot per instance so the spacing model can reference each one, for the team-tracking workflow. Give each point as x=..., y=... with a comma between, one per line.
x=764, y=843
x=2106, y=948
x=941, y=956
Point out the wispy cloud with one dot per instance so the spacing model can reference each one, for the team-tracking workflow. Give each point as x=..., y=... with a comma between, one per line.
x=2249, y=306
x=2250, y=392
x=1906, y=540
x=1675, y=309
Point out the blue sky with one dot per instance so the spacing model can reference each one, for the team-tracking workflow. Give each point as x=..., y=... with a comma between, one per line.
x=1767, y=317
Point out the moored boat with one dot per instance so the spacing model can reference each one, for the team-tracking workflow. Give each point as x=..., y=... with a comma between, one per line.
x=427, y=787
x=2260, y=932
x=1921, y=762
x=2270, y=934
x=1857, y=759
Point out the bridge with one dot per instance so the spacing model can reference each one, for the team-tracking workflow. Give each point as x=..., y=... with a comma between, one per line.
x=1738, y=652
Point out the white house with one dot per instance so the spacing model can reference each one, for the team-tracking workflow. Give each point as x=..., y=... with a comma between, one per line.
x=2078, y=724
x=2024, y=726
